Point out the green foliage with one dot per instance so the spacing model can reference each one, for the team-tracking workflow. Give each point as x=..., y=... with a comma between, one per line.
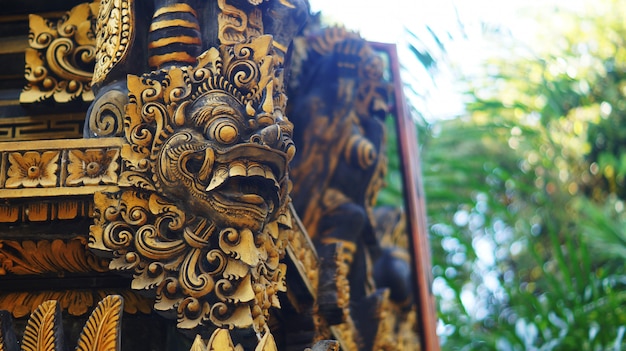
x=526, y=194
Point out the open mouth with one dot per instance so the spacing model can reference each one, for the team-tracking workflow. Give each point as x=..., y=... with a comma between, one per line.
x=245, y=187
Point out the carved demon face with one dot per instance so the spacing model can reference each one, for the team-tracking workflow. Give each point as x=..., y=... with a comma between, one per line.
x=230, y=167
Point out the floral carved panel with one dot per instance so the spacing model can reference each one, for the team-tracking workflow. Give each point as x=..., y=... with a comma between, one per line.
x=92, y=167
x=58, y=167
x=32, y=169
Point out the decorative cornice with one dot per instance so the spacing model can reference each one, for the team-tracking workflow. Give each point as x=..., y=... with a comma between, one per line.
x=56, y=126
x=45, y=256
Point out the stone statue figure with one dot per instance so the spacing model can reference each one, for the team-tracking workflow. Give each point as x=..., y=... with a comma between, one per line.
x=338, y=106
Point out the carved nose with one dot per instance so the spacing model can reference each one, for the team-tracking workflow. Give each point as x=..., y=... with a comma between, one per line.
x=270, y=135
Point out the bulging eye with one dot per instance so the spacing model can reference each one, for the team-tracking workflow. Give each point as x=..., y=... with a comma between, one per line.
x=223, y=130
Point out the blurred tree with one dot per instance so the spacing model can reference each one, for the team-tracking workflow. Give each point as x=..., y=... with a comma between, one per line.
x=526, y=193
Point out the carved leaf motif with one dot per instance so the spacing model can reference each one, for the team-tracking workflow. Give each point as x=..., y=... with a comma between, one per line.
x=44, y=329
x=225, y=315
x=267, y=343
x=102, y=330
x=198, y=344
x=221, y=341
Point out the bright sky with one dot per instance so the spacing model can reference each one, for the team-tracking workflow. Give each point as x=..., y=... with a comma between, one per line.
x=385, y=21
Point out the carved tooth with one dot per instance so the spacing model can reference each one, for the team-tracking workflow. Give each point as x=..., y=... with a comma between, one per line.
x=237, y=169
x=270, y=175
x=220, y=176
x=256, y=170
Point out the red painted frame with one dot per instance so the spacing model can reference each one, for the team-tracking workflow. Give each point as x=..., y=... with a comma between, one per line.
x=415, y=206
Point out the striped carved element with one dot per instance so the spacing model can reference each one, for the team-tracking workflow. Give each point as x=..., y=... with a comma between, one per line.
x=174, y=36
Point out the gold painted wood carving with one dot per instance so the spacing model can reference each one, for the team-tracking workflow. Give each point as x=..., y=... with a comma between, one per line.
x=48, y=210
x=46, y=256
x=32, y=169
x=221, y=340
x=57, y=126
x=114, y=28
x=204, y=189
x=397, y=312
x=74, y=302
x=303, y=253
x=61, y=57
x=235, y=25
x=58, y=167
x=44, y=331
x=338, y=102
x=102, y=330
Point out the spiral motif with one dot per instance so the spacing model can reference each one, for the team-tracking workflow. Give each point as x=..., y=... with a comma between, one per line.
x=38, y=74
x=57, y=57
x=106, y=117
x=226, y=289
x=172, y=220
x=67, y=30
x=168, y=288
x=86, y=55
x=149, y=244
x=178, y=94
x=244, y=75
x=231, y=236
x=245, y=53
x=132, y=258
x=117, y=236
x=366, y=154
x=151, y=92
x=220, y=312
x=154, y=111
x=40, y=40
x=141, y=135
x=218, y=260
x=155, y=269
x=192, y=312
x=200, y=75
x=136, y=215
